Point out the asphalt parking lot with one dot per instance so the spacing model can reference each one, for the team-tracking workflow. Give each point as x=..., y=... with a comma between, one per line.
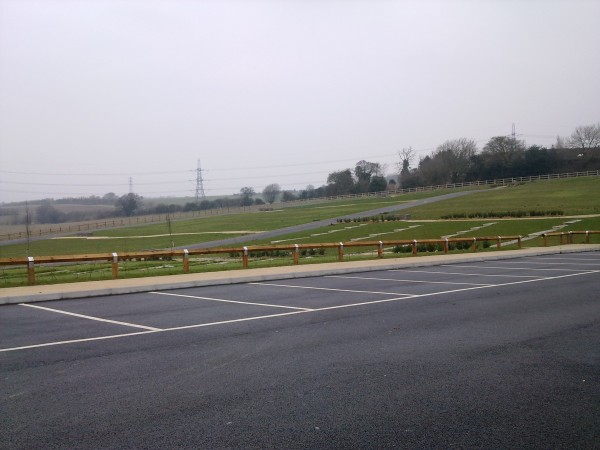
x=474, y=354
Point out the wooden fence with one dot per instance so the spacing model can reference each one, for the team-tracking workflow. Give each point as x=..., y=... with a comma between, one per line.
x=245, y=252
x=567, y=237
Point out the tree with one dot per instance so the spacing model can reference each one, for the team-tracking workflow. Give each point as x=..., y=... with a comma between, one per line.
x=456, y=157
x=432, y=170
x=406, y=156
x=340, y=183
x=271, y=192
x=309, y=192
x=587, y=136
x=288, y=196
x=128, y=204
x=363, y=171
x=47, y=213
x=501, y=157
x=377, y=184
x=246, y=193
x=110, y=198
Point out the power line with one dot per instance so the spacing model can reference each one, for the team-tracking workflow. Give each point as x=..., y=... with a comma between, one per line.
x=88, y=174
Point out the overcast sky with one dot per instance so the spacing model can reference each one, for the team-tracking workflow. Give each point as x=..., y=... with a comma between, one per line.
x=94, y=92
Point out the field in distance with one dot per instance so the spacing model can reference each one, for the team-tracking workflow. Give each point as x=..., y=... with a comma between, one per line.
x=576, y=196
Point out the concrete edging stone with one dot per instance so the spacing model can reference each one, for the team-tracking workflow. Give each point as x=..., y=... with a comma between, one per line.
x=30, y=294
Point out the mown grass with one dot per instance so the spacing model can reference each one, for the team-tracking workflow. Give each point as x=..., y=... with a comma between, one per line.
x=54, y=274
x=573, y=196
x=204, y=229
x=414, y=229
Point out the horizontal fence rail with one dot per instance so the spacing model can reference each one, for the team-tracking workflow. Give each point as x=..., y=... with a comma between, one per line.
x=158, y=218
x=247, y=251
x=566, y=237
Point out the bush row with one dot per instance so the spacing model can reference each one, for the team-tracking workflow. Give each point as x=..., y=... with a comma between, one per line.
x=380, y=218
x=432, y=248
x=279, y=253
x=496, y=214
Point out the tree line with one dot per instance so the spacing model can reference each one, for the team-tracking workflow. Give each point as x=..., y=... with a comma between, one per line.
x=459, y=160
x=454, y=161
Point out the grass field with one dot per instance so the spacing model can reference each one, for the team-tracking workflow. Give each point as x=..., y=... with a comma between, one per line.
x=572, y=196
x=205, y=229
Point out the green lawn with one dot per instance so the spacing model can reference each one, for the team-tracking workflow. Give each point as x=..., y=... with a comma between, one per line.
x=573, y=196
x=204, y=229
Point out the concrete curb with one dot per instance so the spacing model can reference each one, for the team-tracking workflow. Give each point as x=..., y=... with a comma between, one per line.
x=30, y=294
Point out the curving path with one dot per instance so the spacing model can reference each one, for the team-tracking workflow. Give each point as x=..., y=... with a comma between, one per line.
x=324, y=223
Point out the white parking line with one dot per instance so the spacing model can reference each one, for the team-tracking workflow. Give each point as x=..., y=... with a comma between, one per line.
x=97, y=319
x=76, y=341
x=580, y=263
x=407, y=281
x=330, y=289
x=464, y=274
x=586, y=257
x=303, y=311
x=508, y=268
x=431, y=294
x=230, y=301
x=114, y=336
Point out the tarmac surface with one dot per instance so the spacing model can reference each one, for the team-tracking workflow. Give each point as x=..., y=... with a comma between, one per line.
x=490, y=350
x=27, y=294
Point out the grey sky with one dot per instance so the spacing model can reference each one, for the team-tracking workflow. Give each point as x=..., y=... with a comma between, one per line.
x=93, y=92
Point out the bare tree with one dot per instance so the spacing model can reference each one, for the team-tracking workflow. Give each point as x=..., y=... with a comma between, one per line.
x=246, y=193
x=271, y=192
x=406, y=157
x=504, y=148
x=456, y=157
x=586, y=136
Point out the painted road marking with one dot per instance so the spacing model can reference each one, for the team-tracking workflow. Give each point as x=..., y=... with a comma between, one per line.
x=508, y=268
x=330, y=289
x=465, y=274
x=230, y=301
x=98, y=319
x=186, y=327
x=408, y=281
x=76, y=341
x=580, y=263
x=114, y=336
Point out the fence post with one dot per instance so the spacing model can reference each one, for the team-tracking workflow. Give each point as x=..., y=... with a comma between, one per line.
x=587, y=237
x=414, y=247
x=245, y=258
x=474, y=246
x=446, y=245
x=498, y=242
x=341, y=251
x=519, y=241
x=296, y=254
x=380, y=250
x=545, y=239
x=570, y=238
x=115, y=265
x=562, y=235
x=30, y=271
x=186, y=260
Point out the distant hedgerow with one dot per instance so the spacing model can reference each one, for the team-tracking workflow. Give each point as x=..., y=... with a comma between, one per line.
x=497, y=214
